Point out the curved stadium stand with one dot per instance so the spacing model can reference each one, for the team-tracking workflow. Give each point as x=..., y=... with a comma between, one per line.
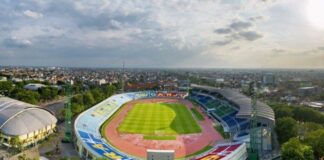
x=229, y=111
x=90, y=144
x=233, y=111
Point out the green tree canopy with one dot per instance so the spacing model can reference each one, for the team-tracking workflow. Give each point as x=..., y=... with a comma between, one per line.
x=308, y=115
x=286, y=128
x=88, y=99
x=45, y=93
x=309, y=127
x=283, y=112
x=77, y=108
x=54, y=92
x=316, y=140
x=26, y=96
x=6, y=87
x=98, y=94
x=109, y=90
x=294, y=149
x=78, y=99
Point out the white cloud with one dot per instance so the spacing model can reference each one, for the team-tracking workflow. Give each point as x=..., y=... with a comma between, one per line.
x=32, y=14
x=14, y=42
x=156, y=29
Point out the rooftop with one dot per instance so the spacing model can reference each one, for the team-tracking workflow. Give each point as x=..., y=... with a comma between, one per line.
x=19, y=118
x=264, y=111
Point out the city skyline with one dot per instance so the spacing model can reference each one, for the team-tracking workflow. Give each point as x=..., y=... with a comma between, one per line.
x=171, y=34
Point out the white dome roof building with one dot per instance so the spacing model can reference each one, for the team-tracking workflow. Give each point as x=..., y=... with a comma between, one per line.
x=34, y=86
x=24, y=123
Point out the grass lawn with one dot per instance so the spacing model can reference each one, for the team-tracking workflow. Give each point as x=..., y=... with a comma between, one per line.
x=155, y=137
x=220, y=129
x=197, y=114
x=159, y=119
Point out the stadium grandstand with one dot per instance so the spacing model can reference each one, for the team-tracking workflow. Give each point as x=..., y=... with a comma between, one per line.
x=23, y=124
x=226, y=151
x=233, y=111
x=91, y=144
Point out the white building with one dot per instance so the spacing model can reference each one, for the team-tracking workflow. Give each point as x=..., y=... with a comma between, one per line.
x=3, y=79
x=23, y=122
x=17, y=79
x=315, y=105
x=307, y=91
x=101, y=81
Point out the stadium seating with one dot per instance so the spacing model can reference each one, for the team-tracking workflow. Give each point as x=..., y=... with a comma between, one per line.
x=220, y=109
x=224, y=151
x=100, y=147
x=88, y=124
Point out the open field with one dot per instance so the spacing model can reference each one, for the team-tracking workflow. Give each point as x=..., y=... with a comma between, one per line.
x=197, y=114
x=155, y=137
x=176, y=120
x=159, y=119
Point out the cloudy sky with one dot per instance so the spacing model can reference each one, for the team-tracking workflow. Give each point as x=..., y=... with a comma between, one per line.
x=163, y=33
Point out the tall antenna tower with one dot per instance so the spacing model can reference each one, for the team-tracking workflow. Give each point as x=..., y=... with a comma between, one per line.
x=122, y=78
x=254, y=131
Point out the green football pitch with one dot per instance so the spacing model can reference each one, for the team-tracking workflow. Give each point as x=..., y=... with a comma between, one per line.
x=159, y=119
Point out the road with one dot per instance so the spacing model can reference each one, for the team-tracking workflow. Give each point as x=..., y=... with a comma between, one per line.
x=50, y=146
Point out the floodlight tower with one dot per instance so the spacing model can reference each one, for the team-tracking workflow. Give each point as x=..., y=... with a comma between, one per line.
x=254, y=131
x=68, y=114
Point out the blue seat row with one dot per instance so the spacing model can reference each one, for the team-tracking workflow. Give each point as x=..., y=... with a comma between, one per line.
x=222, y=111
x=100, y=147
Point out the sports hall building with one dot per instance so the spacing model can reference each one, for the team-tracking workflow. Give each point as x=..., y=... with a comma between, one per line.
x=22, y=123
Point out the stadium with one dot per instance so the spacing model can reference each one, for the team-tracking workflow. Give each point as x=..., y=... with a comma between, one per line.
x=162, y=125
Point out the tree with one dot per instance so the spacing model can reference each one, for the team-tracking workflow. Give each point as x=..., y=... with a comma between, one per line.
x=16, y=142
x=61, y=92
x=20, y=84
x=77, y=108
x=98, y=94
x=307, y=127
x=77, y=88
x=77, y=99
x=6, y=87
x=54, y=92
x=316, y=140
x=26, y=96
x=109, y=90
x=286, y=128
x=283, y=112
x=45, y=93
x=88, y=99
x=307, y=115
x=294, y=149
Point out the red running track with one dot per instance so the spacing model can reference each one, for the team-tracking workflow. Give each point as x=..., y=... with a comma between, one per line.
x=135, y=145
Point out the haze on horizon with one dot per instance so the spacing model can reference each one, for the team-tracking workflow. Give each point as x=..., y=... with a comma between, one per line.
x=159, y=33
